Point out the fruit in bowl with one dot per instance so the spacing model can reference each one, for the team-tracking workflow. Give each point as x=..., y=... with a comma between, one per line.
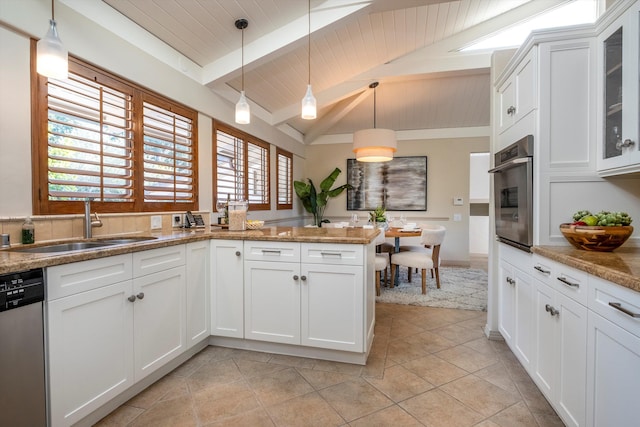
x=604, y=231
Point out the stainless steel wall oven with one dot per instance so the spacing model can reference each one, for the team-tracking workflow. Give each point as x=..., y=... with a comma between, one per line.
x=513, y=193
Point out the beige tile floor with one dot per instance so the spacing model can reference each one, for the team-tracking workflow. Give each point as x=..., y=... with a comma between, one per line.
x=428, y=366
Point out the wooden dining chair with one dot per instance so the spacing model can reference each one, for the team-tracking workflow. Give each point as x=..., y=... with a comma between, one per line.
x=381, y=262
x=432, y=237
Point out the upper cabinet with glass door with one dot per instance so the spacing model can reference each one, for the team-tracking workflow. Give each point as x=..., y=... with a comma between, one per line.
x=619, y=94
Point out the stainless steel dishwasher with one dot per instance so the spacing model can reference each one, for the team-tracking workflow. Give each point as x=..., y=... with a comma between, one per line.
x=23, y=394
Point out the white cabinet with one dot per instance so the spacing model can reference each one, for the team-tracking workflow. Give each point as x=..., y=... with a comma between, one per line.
x=516, y=96
x=307, y=294
x=227, y=288
x=516, y=302
x=332, y=306
x=159, y=321
x=613, y=351
x=198, y=285
x=507, y=302
x=272, y=301
x=108, y=329
x=560, y=338
x=619, y=94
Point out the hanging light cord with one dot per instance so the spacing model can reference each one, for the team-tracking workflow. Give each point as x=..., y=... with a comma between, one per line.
x=309, y=43
x=374, y=107
x=53, y=15
x=242, y=50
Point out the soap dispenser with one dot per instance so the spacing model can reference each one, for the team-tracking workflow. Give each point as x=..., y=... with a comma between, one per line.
x=28, y=231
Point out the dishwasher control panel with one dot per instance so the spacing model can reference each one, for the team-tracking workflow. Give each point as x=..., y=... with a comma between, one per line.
x=18, y=289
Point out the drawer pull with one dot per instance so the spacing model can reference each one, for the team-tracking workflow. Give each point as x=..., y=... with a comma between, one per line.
x=338, y=254
x=271, y=251
x=618, y=306
x=542, y=270
x=510, y=281
x=551, y=310
x=568, y=283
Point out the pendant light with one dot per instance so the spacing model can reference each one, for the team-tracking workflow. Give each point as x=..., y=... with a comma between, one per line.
x=52, y=59
x=309, y=101
x=243, y=111
x=374, y=145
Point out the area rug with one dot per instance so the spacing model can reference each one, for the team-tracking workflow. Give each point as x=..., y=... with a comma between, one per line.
x=462, y=288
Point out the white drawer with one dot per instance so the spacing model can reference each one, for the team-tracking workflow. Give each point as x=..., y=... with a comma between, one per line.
x=341, y=254
x=272, y=251
x=155, y=260
x=615, y=303
x=563, y=278
x=69, y=279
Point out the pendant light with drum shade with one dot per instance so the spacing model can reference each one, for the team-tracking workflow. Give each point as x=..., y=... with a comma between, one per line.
x=52, y=59
x=309, y=101
x=374, y=145
x=243, y=111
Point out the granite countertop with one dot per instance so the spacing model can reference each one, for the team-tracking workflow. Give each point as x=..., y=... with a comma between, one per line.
x=11, y=262
x=621, y=266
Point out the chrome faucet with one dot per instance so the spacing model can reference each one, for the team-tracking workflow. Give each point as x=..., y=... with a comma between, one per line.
x=88, y=222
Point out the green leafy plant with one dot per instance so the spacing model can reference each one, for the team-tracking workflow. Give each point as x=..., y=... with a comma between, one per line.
x=379, y=214
x=315, y=203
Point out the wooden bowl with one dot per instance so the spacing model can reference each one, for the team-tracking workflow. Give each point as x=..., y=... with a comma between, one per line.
x=255, y=224
x=596, y=238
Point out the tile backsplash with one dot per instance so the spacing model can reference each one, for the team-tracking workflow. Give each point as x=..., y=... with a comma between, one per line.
x=56, y=227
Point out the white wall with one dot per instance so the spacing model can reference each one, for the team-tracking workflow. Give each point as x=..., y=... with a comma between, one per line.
x=447, y=177
x=20, y=19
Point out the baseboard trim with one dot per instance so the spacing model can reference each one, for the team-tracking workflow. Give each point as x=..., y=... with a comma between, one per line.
x=493, y=335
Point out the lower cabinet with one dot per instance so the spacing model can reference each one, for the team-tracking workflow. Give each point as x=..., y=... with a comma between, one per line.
x=559, y=364
x=272, y=301
x=227, y=288
x=103, y=339
x=198, y=285
x=613, y=355
x=308, y=294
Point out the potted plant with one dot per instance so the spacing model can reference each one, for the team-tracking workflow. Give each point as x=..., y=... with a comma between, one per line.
x=378, y=217
x=314, y=202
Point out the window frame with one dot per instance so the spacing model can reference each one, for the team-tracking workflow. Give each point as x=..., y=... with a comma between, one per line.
x=39, y=144
x=289, y=197
x=246, y=139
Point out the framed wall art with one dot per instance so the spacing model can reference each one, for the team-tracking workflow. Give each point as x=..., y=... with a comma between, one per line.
x=397, y=185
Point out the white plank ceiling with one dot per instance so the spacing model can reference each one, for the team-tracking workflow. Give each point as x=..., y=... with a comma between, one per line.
x=409, y=46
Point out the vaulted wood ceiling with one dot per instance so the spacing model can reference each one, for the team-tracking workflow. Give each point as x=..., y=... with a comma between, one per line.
x=409, y=46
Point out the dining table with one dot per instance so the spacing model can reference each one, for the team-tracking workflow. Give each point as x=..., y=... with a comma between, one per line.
x=397, y=233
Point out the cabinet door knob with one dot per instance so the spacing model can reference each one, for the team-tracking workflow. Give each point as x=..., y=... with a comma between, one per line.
x=132, y=298
x=140, y=295
x=237, y=253
x=295, y=277
x=551, y=310
x=303, y=278
x=511, y=110
x=626, y=143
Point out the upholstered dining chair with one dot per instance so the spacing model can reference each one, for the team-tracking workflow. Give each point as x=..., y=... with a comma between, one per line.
x=431, y=237
x=419, y=247
x=381, y=262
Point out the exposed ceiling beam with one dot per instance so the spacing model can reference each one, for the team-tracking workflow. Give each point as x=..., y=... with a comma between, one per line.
x=334, y=116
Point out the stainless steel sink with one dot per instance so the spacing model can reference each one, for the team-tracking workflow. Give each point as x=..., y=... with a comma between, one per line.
x=124, y=240
x=80, y=246
x=62, y=247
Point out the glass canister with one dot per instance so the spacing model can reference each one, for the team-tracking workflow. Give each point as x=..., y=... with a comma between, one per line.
x=238, y=215
x=28, y=231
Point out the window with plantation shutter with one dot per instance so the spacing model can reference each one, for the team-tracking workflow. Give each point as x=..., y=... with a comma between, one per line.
x=168, y=155
x=98, y=136
x=241, y=168
x=284, y=179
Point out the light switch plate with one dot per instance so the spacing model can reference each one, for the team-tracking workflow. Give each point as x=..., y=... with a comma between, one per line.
x=156, y=222
x=458, y=201
x=457, y=217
